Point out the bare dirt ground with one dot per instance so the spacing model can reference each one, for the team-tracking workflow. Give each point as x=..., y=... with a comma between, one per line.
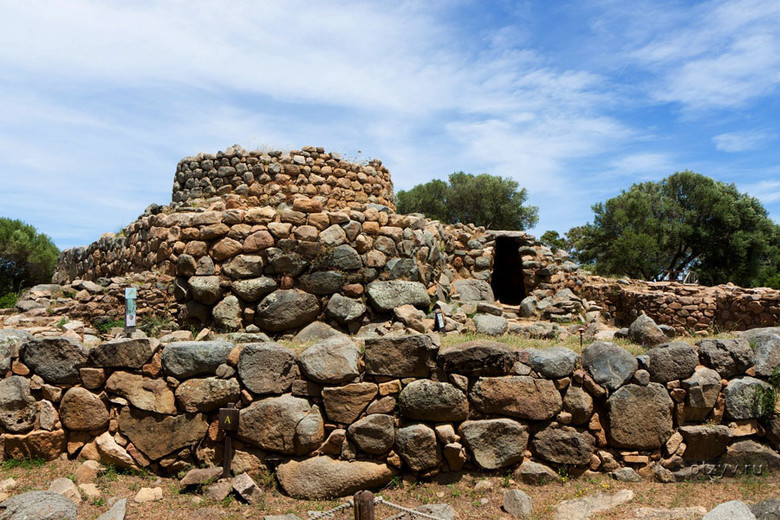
x=456, y=489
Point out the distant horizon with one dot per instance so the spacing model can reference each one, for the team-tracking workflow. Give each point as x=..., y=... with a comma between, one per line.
x=576, y=101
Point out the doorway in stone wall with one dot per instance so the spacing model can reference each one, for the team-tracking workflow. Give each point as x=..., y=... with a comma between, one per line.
x=507, y=280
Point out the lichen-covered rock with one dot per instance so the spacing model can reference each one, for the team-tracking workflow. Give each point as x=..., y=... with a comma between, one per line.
x=564, y=445
x=729, y=357
x=749, y=452
x=331, y=361
x=670, y=361
x=254, y=289
x=267, y=368
x=343, y=309
x=373, y=433
x=385, y=296
x=743, y=397
x=38, y=505
x=322, y=477
x=417, y=446
x=208, y=394
x=534, y=473
x=471, y=290
x=205, y=289
x=495, y=443
x=11, y=339
x=491, y=325
x=152, y=395
x=227, y=313
x=552, y=362
x=244, y=266
x=517, y=396
x=640, y=417
x=344, y=404
x=322, y=282
x=17, y=405
x=609, y=364
x=81, y=410
x=767, y=354
x=478, y=358
x=645, y=332
x=286, y=309
x=158, y=435
x=705, y=442
x=272, y=424
x=185, y=359
x=56, y=360
x=702, y=390
x=122, y=353
x=400, y=356
x=427, y=400
x=579, y=404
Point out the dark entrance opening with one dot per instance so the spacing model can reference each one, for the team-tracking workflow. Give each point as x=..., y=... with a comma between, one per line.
x=507, y=281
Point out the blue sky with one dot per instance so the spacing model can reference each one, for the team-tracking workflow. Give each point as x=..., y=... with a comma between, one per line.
x=576, y=100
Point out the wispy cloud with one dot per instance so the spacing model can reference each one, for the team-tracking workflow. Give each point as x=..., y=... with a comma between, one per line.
x=734, y=142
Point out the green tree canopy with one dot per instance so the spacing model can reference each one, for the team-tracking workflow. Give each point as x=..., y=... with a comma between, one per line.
x=26, y=256
x=685, y=221
x=485, y=200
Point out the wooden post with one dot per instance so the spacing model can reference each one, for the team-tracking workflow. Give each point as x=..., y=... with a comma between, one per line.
x=228, y=423
x=364, y=505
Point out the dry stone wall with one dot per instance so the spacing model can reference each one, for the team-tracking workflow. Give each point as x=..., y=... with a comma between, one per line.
x=335, y=418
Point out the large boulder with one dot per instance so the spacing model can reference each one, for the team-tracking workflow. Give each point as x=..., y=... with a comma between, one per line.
x=373, y=434
x=564, y=445
x=702, y=390
x=743, y=397
x=10, y=340
x=38, y=444
x=400, y=356
x=579, y=404
x=208, y=394
x=343, y=309
x=185, y=359
x=729, y=357
x=427, y=400
x=38, y=505
x=314, y=332
x=331, y=361
x=491, y=325
x=472, y=290
x=243, y=266
x=81, y=410
x=205, y=289
x=322, y=282
x=227, y=313
x=344, y=404
x=645, y=332
x=705, y=442
x=17, y=405
x=517, y=396
x=552, y=362
x=386, y=296
x=745, y=453
x=122, y=353
x=254, y=289
x=609, y=364
x=478, y=358
x=321, y=478
x=640, y=417
x=417, y=446
x=56, y=360
x=495, y=443
x=767, y=509
x=731, y=510
x=286, y=309
x=152, y=395
x=267, y=368
x=158, y=435
x=285, y=424
x=670, y=361
x=767, y=354
x=341, y=258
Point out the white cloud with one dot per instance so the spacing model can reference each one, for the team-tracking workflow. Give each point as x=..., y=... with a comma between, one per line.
x=734, y=142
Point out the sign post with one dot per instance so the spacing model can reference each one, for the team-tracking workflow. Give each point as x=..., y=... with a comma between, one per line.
x=131, y=294
x=228, y=423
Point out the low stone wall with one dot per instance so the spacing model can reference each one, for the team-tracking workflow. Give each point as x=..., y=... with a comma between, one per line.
x=335, y=418
x=687, y=308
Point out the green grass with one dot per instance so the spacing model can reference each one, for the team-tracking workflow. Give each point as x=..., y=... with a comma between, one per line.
x=8, y=300
x=106, y=326
x=23, y=463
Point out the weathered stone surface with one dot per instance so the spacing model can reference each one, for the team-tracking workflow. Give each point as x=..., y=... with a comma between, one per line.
x=281, y=262
x=675, y=513
x=117, y=511
x=583, y=508
x=625, y=475
x=322, y=282
x=316, y=331
x=400, y=356
x=205, y=289
x=152, y=395
x=109, y=452
x=645, y=332
x=729, y=357
x=38, y=444
x=343, y=309
x=517, y=396
x=56, y=360
x=227, y=313
x=243, y=266
x=322, y=477
x=344, y=404
x=517, y=503
x=767, y=354
x=341, y=258
x=385, y=296
x=207, y=395
x=609, y=364
x=82, y=410
x=491, y=325
x=254, y=289
x=185, y=359
x=67, y=488
x=267, y=368
x=705, y=442
x=553, y=362
x=157, y=435
x=373, y=434
x=640, y=417
x=199, y=476
x=495, y=443
x=534, y=473
x=472, y=290
x=702, y=390
x=286, y=309
x=17, y=405
x=478, y=358
x=122, y=353
x=274, y=424
x=38, y=505
x=247, y=489
x=732, y=510
x=417, y=446
x=427, y=400
x=743, y=453
x=11, y=339
x=767, y=509
x=331, y=361
x=579, y=404
x=564, y=445
x=670, y=361
x=742, y=397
